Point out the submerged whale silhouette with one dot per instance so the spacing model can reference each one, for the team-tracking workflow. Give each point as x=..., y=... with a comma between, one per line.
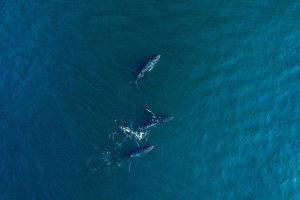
x=138, y=152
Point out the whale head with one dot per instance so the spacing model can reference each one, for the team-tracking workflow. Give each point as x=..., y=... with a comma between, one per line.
x=148, y=149
x=157, y=57
x=167, y=119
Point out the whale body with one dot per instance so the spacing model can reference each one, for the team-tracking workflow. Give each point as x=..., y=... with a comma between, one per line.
x=147, y=68
x=138, y=152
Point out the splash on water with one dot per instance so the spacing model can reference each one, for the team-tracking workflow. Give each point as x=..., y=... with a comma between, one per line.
x=112, y=157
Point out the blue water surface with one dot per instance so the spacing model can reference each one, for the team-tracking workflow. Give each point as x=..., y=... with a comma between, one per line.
x=229, y=74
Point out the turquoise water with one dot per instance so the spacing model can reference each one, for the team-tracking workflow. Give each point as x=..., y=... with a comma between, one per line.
x=229, y=74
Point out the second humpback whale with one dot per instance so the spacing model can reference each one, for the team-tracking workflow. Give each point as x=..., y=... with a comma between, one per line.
x=147, y=68
x=117, y=159
x=138, y=152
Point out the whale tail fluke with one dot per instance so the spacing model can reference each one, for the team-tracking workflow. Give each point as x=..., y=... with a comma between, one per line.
x=135, y=84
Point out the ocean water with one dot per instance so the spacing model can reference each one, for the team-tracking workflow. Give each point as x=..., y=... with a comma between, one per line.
x=229, y=74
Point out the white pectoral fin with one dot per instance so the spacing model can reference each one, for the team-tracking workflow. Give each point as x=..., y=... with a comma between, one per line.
x=134, y=83
x=129, y=166
x=151, y=113
x=138, y=145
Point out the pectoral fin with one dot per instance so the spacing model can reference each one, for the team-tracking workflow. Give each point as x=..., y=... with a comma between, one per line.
x=129, y=166
x=151, y=113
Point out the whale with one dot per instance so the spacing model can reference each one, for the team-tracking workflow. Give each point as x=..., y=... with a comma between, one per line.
x=138, y=152
x=114, y=159
x=147, y=68
x=155, y=120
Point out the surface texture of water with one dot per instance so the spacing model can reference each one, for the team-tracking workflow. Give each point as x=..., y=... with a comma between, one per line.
x=229, y=73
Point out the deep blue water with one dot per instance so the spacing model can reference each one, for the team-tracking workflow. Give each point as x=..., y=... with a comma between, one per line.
x=229, y=73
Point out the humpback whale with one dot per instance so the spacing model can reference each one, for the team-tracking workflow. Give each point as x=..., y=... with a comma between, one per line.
x=147, y=68
x=138, y=152
x=117, y=159
x=155, y=120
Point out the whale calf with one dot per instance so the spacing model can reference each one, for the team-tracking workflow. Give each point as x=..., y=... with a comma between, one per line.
x=147, y=68
x=155, y=120
x=138, y=152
